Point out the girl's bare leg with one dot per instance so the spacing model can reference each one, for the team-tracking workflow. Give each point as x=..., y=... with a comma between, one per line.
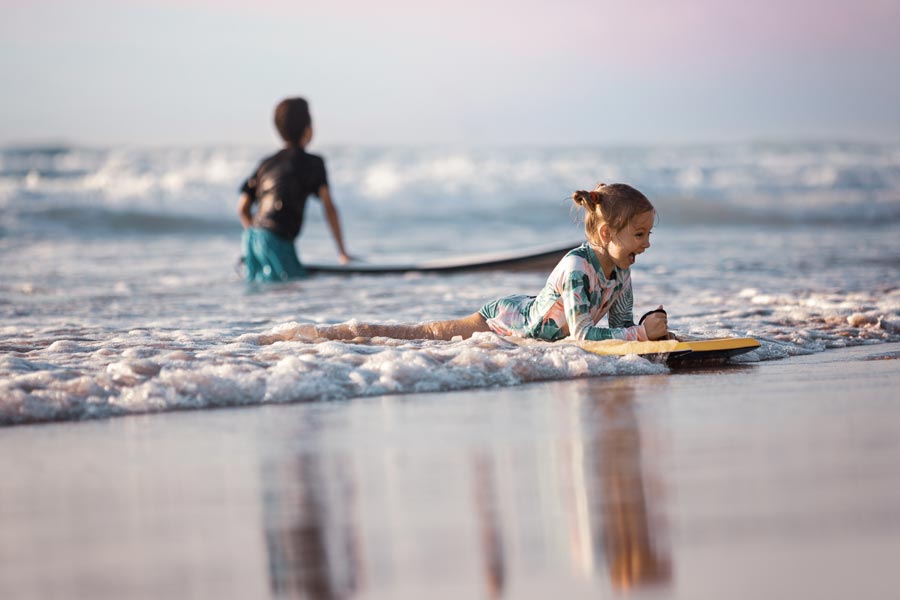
x=434, y=330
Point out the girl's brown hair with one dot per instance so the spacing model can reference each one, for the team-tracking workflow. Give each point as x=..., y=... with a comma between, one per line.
x=615, y=204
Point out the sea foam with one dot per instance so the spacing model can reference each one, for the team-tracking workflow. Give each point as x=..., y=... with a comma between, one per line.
x=247, y=373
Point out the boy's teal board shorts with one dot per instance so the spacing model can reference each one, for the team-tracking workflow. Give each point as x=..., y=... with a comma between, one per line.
x=269, y=257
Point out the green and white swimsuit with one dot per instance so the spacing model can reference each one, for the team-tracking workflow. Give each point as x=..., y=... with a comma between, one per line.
x=577, y=295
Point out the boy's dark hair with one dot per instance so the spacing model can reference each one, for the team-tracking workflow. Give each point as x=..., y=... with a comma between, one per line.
x=292, y=118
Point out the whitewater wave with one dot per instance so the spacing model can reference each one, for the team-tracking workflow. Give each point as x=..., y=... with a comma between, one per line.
x=752, y=183
x=177, y=377
x=77, y=374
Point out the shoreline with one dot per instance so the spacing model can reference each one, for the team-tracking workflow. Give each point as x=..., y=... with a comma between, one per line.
x=740, y=360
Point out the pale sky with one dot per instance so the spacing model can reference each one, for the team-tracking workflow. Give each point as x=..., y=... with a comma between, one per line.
x=478, y=72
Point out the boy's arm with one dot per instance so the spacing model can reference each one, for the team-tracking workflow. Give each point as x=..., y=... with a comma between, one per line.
x=244, y=205
x=334, y=221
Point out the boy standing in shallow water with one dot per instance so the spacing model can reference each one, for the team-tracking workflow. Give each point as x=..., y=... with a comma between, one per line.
x=280, y=185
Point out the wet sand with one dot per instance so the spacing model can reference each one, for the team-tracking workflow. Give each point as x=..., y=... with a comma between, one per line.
x=770, y=480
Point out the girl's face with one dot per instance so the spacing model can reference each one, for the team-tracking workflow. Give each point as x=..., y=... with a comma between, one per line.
x=623, y=246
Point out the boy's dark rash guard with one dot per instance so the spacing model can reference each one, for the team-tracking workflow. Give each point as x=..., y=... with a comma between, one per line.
x=281, y=185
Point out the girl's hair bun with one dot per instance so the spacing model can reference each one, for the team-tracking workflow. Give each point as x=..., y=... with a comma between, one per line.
x=582, y=198
x=588, y=200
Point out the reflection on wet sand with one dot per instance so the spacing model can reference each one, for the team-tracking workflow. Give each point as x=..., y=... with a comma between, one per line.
x=489, y=524
x=311, y=536
x=486, y=516
x=568, y=490
x=621, y=506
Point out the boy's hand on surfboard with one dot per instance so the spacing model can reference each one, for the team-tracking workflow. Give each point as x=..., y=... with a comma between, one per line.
x=656, y=324
x=351, y=258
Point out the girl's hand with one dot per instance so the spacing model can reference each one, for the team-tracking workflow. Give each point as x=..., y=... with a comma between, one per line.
x=656, y=325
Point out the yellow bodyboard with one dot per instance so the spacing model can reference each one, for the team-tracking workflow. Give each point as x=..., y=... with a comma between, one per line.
x=687, y=350
x=622, y=347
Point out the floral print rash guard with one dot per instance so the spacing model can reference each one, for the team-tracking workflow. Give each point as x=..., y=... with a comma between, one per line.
x=577, y=295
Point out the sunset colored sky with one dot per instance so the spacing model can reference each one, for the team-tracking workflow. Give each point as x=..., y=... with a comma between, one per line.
x=466, y=71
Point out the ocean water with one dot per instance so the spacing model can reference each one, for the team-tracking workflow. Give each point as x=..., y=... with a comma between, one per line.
x=118, y=289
